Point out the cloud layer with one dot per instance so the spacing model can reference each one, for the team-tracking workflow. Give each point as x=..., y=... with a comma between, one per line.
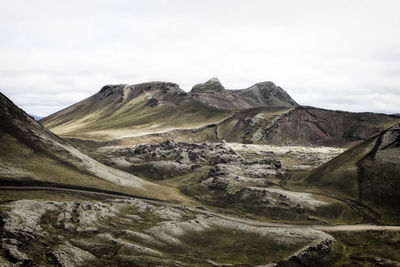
x=342, y=54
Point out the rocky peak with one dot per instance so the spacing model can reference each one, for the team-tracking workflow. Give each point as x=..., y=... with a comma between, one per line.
x=266, y=84
x=212, y=85
x=163, y=87
x=267, y=93
x=267, y=87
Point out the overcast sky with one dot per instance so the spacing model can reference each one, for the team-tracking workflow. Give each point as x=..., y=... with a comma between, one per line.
x=331, y=54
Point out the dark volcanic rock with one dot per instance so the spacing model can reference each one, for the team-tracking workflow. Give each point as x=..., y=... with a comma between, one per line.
x=152, y=102
x=167, y=159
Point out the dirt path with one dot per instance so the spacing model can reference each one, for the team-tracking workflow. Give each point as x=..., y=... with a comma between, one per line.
x=326, y=228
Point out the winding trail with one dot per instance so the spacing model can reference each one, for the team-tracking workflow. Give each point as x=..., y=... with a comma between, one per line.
x=325, y=228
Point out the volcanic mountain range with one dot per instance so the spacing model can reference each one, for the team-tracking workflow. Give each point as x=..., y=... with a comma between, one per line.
x=158, y=111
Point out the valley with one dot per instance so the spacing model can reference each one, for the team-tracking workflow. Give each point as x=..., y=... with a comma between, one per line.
x=148, y=174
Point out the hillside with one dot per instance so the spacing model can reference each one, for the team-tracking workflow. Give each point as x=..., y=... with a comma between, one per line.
x=315, y=126
x=132, y=110
x=300, y=126
x=32, y=155
x=368, y=173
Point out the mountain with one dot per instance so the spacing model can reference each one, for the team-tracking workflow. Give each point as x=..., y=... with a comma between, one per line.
x=158, y=111
x=37, y=118
x=154, y=108
x=301, y=126
x=133, y=110
x=266, y=94
x=315, y=126
x=127, y=111
x=368, y=173
x=32, y=155
x=261, y=94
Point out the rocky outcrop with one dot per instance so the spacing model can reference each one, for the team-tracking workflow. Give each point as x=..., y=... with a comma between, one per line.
x=316, y=254
x=167, y=159
x=278, y=198
x=212, y=85
x=229, y=177
x=388, y=151
x=68, y=255
x=124, y=92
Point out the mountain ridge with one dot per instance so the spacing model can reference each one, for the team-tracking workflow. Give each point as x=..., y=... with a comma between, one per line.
x=260, y=94
x=263, y=113
x=145, y=108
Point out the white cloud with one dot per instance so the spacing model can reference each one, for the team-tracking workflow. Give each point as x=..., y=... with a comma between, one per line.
x=333, y=54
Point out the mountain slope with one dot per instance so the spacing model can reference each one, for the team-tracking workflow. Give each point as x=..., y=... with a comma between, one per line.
x=304, y=126
x=30, y=154
x=368, y=173
x=315, y=126
x=132, y=110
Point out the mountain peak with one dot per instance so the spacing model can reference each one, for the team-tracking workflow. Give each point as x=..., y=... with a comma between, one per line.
x=265, y=84
x=214, y=80
x=125, y=91
x=212, y=84
x=267, y=94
